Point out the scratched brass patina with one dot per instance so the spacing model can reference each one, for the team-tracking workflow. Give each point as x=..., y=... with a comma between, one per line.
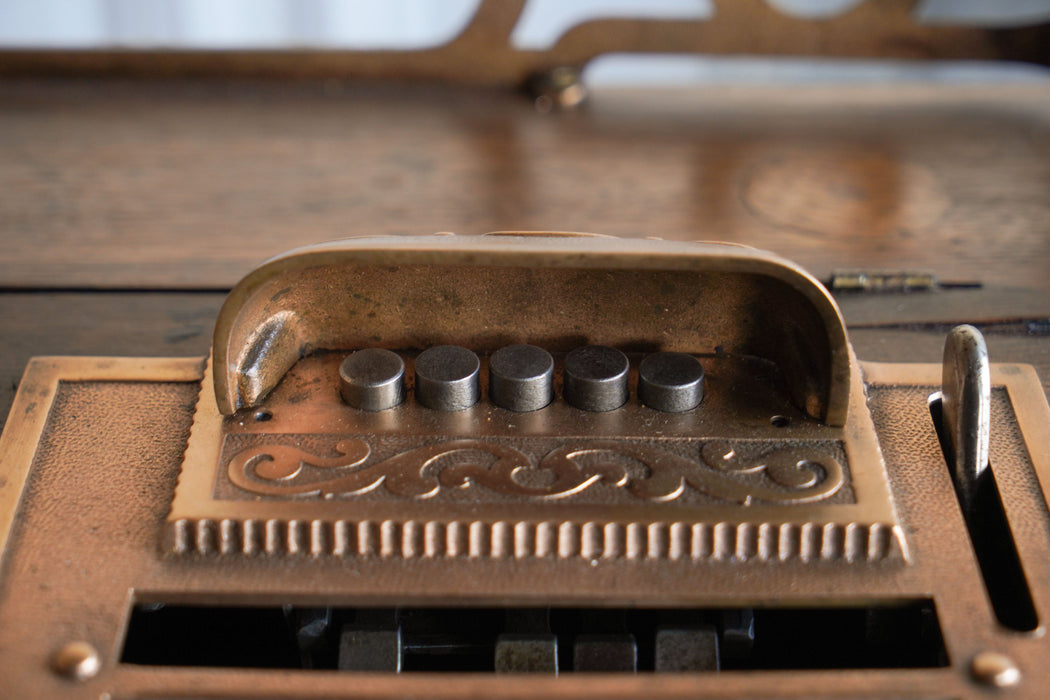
x=779, y=462
x=803, y=480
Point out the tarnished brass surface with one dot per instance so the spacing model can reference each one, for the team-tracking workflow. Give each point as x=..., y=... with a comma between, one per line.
x=123, y=484
x=633, y=483
x=553, y=289
x=711, y=484
x=89, y=542
x=26, y=423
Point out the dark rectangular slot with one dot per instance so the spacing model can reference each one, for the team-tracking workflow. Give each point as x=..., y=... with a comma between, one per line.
x=898, y=634
x=993, y=543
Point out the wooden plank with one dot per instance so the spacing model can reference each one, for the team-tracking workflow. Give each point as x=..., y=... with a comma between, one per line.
x=927, y=345
x=190, y=185
x=106, y=324
x=990, y=304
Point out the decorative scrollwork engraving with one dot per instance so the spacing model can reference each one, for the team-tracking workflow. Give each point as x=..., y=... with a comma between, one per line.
x=789, y=474
x=275, y=468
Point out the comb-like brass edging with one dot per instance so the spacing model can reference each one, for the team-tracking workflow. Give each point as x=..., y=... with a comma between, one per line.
x=674, y=541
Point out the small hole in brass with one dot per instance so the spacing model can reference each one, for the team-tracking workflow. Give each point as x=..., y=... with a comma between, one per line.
x=780, y=421
x=262, y=416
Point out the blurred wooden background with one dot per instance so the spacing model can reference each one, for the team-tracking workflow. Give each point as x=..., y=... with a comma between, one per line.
x=137, y=186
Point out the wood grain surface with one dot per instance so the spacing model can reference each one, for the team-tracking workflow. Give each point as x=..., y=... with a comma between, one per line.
x=176, y=186
x=189, y=185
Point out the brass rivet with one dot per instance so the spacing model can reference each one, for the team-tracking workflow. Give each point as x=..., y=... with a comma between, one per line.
x=995, y=669
x=77, y=661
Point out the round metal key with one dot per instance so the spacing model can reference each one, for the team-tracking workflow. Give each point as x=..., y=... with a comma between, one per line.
x=596, y=378
x=372, y=379
x=448, y=378
x=521, y=378
x=671, y=382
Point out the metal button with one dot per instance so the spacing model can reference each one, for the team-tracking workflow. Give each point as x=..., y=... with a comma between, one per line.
x=596, y=378
x=995, y=669
x=671, y=382
x=376, y=650
x=678, y=650
x=605, y=652
x=526, y=653
x=447, y=378
x=372, y=379
x=78, y=661
x=521, y=377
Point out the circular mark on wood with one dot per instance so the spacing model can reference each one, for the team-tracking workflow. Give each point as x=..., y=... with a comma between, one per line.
x=836, y=192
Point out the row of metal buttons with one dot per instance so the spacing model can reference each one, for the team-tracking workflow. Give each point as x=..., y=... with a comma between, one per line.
x=521, y=378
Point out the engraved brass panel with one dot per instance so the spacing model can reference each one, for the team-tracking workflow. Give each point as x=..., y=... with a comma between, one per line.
x=783, y=423
x=123, y=484
x=118, y=555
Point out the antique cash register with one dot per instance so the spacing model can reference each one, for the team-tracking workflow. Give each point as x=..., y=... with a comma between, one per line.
x=526, y=465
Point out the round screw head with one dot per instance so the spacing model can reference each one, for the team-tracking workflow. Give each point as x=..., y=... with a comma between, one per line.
x=994, y=669
x=521, y=378
x=78, y=661
x=448, y=378
x=671, y=382
x=372, y=379
x=596, y=378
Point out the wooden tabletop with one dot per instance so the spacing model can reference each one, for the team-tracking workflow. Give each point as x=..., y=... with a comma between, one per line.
x=166, y=193
x=181, y=185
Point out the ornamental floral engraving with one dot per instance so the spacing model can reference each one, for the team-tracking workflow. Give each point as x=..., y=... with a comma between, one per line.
x=648, y=472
